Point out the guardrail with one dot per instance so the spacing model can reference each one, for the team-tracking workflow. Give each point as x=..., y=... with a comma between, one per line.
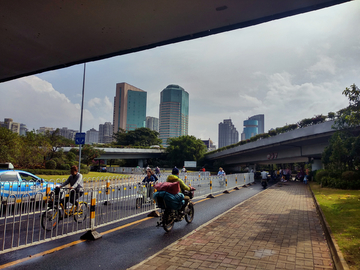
x=115, y=198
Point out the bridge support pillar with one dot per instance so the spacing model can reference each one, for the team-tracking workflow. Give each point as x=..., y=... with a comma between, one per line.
x=141, y=163
x=317, y=165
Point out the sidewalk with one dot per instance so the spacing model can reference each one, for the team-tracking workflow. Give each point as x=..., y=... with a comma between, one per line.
x=276, y=229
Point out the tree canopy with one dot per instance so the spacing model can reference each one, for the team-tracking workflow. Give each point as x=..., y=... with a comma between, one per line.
x=138, y=137
x=184, y=148
x=343, y=151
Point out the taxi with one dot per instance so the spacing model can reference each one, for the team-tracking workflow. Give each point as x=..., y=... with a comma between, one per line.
x=17, y=185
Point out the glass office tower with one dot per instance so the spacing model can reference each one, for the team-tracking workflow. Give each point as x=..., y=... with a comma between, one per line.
x=173, y=113
x=129, y=107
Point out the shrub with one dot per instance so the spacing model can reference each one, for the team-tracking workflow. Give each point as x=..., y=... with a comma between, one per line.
x=320, y=174
x=65, y=167
x=350, y=176
x=50, y=164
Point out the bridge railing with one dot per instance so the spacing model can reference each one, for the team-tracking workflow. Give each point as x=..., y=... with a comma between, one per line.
x=117, y=198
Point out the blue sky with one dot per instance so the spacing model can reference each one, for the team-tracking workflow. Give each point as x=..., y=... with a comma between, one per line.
x=287, y=69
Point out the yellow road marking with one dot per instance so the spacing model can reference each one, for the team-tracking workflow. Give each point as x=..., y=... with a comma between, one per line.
x=40, y=254
x=80, y=241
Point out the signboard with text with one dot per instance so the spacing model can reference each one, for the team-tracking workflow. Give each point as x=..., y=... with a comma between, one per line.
x=190, y=164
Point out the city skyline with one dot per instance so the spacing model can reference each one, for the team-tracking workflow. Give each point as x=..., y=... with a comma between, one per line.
x=283, y=69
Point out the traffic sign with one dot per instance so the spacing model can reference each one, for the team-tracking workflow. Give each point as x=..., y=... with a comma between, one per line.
x=80, y=138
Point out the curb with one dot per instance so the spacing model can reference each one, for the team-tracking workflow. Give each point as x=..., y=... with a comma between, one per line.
x=336, y=254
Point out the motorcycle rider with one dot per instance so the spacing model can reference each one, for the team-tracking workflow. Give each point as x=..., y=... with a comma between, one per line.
x=174, y=177
x=264, y=176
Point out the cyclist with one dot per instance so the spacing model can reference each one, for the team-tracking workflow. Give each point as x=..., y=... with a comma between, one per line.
x=76, y=186
x=174, y=177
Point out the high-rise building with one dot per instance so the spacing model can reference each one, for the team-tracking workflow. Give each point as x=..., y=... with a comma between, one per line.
x=105, y=133
x=173, y=113
x=253, y=126
x=152, y=123
x=92, y=136
x=227, y=133
x=129, y=107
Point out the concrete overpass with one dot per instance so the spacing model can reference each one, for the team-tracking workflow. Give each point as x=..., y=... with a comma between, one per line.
x=127, y=153
x=294, y=146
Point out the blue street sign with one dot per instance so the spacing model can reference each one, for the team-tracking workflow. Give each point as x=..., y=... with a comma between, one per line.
x=80, y=138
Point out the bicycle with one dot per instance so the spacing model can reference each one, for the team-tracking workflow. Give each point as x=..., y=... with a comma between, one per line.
x=53, y=214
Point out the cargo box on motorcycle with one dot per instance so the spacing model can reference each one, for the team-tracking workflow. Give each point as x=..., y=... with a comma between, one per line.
x=167, y=200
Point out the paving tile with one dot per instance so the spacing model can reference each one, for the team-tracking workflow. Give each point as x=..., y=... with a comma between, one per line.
x=283, y=235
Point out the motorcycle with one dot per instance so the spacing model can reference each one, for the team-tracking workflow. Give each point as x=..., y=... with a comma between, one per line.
x=264, y=183
x=169, y=216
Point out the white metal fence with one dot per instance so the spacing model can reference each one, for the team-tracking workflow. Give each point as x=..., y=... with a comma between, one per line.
x=115, y=198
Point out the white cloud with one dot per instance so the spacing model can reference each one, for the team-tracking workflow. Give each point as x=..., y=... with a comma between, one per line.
x=324, y=64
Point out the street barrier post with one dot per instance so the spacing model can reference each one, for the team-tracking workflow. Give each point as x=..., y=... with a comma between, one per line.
x=92, y=234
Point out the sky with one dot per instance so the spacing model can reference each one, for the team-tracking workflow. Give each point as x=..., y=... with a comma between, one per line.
x=287, y=69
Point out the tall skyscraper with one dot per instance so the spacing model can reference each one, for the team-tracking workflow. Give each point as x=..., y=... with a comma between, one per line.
x=105, y=133
x=129, y=107
x=227, y=133
x=152, y=123
x=173, y=113
x=253, y=126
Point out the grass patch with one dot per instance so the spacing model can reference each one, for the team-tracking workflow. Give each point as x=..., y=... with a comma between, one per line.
x=86, y=176
x=342, y=212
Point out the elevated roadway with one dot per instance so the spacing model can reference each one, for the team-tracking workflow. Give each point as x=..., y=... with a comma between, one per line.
x=294, y=146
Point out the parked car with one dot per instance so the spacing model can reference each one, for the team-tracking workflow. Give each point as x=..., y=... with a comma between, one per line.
x=17, y=184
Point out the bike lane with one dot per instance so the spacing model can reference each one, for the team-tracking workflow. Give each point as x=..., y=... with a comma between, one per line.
x=123, y=244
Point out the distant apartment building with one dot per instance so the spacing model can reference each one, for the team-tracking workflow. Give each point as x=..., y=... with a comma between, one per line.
x=18, y=128
x=92, y=136
x=227, y=133
x=173, y=113
x=105, y=133
x=23, y=129
x=43, y=130
x=253, y=126
x=209, y=145
x=129, y=107
x=152, y=123
x=68, y=133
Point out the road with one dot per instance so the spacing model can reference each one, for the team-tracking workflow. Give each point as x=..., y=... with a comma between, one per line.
x=124, y=243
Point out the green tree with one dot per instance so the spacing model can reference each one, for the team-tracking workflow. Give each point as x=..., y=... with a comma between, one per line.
x=57, y=141
x=10, y=146
x=184, y=148
x=35, y=149
x=349, y=117
x=139, y=137
x=89, y=153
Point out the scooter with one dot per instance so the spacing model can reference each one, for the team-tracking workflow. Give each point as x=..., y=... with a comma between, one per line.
x=142, y=194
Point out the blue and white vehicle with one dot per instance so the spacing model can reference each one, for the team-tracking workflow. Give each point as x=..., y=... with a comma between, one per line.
x=19, y=185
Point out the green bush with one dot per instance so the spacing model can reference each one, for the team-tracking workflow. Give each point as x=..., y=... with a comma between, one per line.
x=65, y=167
x=350, y=176
x=331, y=182
x=50, y=164
x=320, y=174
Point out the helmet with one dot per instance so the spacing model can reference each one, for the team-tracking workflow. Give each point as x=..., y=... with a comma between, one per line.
x=175, y=171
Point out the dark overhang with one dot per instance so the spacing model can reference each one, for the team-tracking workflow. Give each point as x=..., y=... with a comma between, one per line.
x=42, y=35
